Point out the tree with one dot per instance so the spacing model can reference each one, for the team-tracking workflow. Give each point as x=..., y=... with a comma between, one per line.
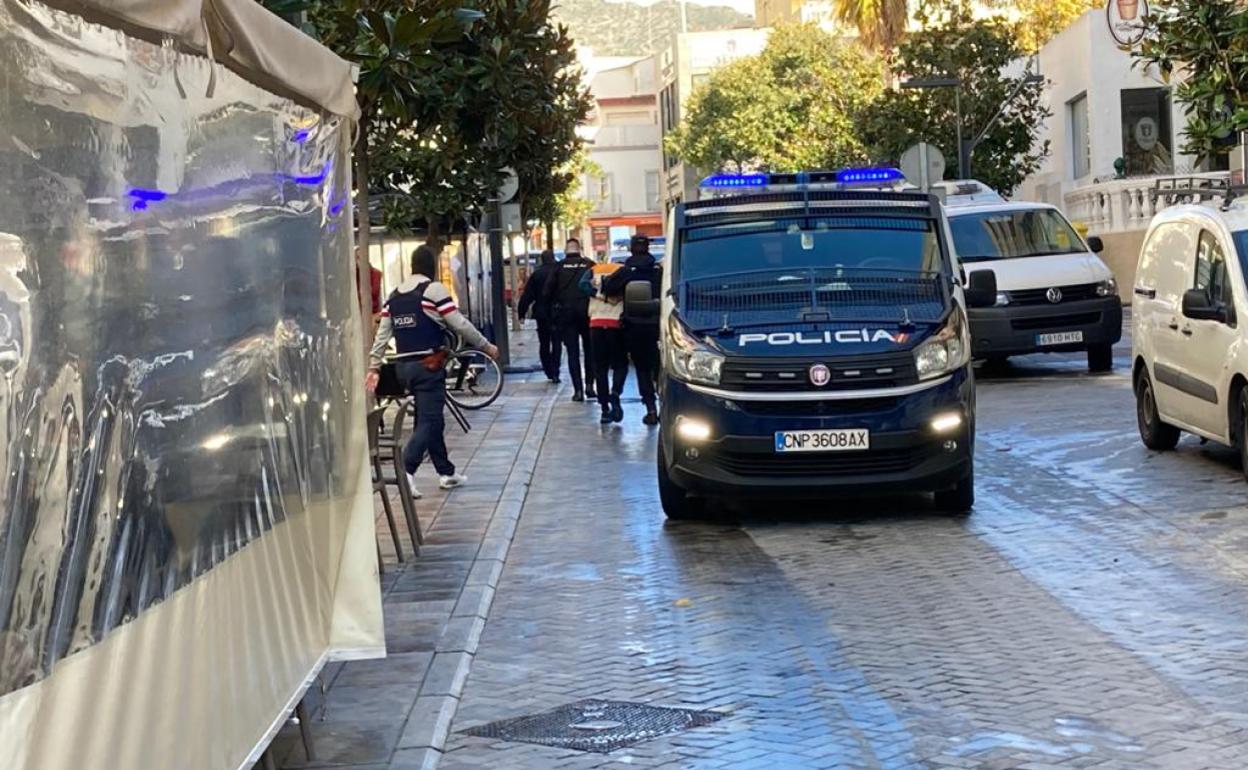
x=794, y=106
x=1202, y=45
x=977, y=52
x=392, y=43
x=881, y=24
x=564, y=202
x=1042, y=20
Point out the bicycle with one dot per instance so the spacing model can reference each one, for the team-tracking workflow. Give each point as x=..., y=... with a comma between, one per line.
x=473, y=379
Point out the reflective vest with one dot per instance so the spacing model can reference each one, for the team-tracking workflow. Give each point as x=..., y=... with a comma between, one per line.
x=415, y=333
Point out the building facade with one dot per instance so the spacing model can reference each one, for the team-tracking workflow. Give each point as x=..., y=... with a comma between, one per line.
x=623, y=137
x=1114, y=129
x=685, y=66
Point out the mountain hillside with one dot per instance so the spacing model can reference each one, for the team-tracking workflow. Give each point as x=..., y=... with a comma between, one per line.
x=626, y=29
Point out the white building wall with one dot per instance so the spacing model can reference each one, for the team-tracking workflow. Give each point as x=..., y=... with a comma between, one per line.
x=1085, y=59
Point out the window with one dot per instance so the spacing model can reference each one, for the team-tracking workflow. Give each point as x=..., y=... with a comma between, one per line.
x=697, y=81
x=1211, y=270
x=652, y=190
x=1008, y=234
x=1080, y=138
x=1147, y=141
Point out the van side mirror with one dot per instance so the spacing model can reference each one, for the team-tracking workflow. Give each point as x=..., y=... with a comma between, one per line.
x=640, y=304
x=1096, y=244
x=981, y=289
x=1198, y=307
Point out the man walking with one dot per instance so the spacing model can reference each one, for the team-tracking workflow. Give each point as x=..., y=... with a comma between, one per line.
x=606, y=340
x=416, y=316
x=534, y=297
x=641, y=336
x=570, y=307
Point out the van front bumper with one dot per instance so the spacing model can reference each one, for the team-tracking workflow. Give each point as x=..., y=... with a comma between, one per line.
x=739, y=459
x=1011, y=331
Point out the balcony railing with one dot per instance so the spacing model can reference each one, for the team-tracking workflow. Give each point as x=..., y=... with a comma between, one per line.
x=1120, y=205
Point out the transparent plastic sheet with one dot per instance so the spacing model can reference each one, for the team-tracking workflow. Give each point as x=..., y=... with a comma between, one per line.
x=180, y=407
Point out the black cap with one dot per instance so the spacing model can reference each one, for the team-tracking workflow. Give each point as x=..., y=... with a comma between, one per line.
x=639, y=241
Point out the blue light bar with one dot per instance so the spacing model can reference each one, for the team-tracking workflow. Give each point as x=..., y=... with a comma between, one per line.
x=728, y=181
x=861, y=175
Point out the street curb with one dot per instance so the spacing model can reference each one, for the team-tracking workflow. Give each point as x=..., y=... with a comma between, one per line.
x=477, y=596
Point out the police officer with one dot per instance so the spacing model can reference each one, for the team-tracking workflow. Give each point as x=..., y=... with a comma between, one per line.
x=641, y=336
x=534, y=297
x=570, y=306
x=416, y=316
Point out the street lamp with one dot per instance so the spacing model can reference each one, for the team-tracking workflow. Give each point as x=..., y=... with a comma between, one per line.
x=965, y=149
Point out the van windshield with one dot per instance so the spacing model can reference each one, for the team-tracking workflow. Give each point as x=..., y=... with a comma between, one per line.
x=1009, y=234
x=900, y=245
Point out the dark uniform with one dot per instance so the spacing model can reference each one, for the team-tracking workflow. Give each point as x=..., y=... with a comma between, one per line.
x=641, y=336
x=534, y=297
x=570, y=308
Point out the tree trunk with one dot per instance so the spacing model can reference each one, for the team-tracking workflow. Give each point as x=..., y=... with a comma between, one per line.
x=550, y=234
x=433, y=227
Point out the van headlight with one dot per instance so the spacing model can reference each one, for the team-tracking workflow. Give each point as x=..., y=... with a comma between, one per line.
x=945, y=351
x=688, y=359
x=1107, y=288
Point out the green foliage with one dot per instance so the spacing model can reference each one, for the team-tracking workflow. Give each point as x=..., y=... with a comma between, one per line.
x=1042, y=20
x=976, y=51
x=451, y=96
x=568, y=206
x=627, y=29
x=794, y=106
x=1202, y=47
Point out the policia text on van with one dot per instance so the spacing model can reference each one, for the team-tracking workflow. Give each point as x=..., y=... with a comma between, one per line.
x=815, y=341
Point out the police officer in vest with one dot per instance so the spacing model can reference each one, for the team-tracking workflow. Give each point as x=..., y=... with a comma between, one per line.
x=416, y=316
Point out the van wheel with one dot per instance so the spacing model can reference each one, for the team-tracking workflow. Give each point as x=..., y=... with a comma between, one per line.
x=1155, y=434
x=1242, y=428
x=959, y=500
x=1101, y=358
x=677, y=504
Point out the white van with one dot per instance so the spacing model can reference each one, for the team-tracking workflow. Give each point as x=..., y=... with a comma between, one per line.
x=1190, y=363
x=1054, y=294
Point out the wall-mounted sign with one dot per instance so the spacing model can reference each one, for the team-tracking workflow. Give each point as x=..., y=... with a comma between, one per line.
x=1146, y=133
x=1126, y=21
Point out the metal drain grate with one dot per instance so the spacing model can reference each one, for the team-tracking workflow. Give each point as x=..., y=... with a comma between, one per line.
x=595, y=725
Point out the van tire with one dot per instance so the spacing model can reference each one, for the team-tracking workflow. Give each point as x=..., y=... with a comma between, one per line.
x=1156, y=435
x=1240, y=430
x=676, y=502
x=1100, y=358
x=959, y=500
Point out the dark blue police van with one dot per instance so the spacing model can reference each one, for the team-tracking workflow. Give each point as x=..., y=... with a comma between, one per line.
x=815, y=342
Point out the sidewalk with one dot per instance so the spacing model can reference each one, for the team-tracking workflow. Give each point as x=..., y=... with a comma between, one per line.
x=395, y=713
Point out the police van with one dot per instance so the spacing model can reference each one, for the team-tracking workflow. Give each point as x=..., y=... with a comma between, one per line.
x=815, y=342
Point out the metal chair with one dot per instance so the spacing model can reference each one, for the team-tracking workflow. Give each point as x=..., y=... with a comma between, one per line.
x=390, y=448
x=380, y=481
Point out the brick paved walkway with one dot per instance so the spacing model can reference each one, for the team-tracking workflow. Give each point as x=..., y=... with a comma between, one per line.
x=1090, y=614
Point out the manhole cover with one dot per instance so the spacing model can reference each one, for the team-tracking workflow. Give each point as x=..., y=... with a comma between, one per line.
x=595, y=725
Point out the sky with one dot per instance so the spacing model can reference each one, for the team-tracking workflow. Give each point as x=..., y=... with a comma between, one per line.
x=744, y=6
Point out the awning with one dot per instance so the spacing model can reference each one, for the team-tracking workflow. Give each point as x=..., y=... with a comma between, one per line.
x=242, y=35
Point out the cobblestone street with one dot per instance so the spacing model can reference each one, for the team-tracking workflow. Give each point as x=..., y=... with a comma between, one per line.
x=1086, y=615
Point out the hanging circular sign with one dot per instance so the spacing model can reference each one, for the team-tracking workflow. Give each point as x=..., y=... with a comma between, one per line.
x=1126, y=21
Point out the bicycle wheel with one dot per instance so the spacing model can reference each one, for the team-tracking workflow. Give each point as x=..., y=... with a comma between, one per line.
x=473, y=379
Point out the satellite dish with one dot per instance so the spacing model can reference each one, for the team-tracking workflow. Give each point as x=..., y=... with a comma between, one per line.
x=923, y=164
x=510, y=186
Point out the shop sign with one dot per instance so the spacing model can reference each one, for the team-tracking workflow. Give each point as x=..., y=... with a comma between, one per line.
x=1126, y=21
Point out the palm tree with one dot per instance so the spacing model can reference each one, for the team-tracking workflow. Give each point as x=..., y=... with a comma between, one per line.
x=880, y=23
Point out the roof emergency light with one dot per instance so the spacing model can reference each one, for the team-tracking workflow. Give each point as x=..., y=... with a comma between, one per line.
x=869, y=175
x=803, y=180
